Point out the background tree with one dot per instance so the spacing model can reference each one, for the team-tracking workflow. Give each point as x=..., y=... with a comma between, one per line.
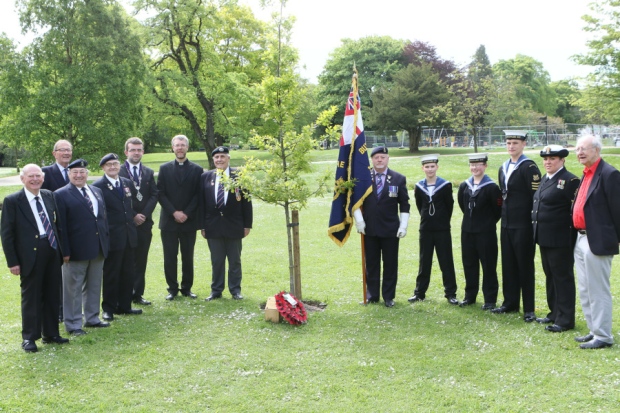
x=419, y=53
x=406, y=103
x=377, y=58
x=83, y=82
x=567, y=97
x=205, y=57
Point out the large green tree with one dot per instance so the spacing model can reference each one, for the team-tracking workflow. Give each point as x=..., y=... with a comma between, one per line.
x=205, y=57
x=567, y=97
x=83, y=81
x=406, y=103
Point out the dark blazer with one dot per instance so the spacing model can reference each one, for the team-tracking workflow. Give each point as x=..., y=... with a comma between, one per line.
x=482, y=208
x=120, y=215
x=602, y=210
x=436, y=210
x=20, y=233
x=176, y=194
x=54, y=178
x=551, y=212
x=519, y=195
x=232, y=219
x=149, y=191
x=82, y=234
x=381, y=214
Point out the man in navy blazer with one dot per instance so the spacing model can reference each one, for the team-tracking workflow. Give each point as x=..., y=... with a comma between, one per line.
x=383, y=227
x=118, y=267
x=596, y=217
x=30, y=241
x=84, y=244
x=226, y=220
x=57, y=174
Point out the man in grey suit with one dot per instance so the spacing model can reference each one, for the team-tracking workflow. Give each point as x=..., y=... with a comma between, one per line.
x=84, y=244
x=179, y=186
x=596, y=218
x=32, y=251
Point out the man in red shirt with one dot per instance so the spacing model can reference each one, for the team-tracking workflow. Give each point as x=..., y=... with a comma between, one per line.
x=596, y=217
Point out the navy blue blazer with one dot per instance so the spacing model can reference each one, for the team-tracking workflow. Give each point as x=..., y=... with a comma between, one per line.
x=20, y=232
x=120, y=214
x=232, y=219
x=54, y=179
x=82, y=234
x=602, y=210
x=381, y=213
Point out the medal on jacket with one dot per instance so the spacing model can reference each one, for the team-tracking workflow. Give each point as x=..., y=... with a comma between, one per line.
x=561, y=183
x=139, y=195
x=238, y=194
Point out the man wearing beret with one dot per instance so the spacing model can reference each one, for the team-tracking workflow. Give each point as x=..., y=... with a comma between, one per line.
x=435, y=203
x=480, y=201
x=519, y=178
x=383, y=227
x=554, y=233
x=596, y=217
x=118, y=267
x=179, y=187
x=83, y=227
x=226, y=220
x=31, y=245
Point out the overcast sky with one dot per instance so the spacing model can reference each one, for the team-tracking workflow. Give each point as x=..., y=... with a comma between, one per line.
x=550, y=31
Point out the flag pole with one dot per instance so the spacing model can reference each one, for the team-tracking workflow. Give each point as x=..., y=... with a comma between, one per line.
x=364, y=269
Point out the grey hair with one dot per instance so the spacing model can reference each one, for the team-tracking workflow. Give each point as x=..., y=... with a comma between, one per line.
x=30, y=166
x=182, y=138
x=596, y=141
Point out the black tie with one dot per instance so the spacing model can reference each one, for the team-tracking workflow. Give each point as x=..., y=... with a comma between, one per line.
x=90, y=204
x=118, y=188
x=46, y=224
x=136, y=177
x=66, y=175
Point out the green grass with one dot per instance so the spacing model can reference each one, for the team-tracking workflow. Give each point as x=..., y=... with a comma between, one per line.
x=222, y=356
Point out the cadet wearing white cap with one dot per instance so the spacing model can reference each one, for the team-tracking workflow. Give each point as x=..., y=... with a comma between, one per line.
x=519, y=178
x=433, y=198
x=553, y=231
x=480, y=199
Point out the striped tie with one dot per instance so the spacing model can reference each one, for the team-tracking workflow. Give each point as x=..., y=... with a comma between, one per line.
x=220, y=196
x=90, y=204
x=379, y=184
x=46, y=224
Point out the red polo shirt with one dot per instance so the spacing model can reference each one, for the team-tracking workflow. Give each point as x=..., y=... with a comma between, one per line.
x=579, y=219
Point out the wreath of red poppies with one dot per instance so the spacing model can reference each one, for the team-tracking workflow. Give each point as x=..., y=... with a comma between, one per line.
x=291, y=309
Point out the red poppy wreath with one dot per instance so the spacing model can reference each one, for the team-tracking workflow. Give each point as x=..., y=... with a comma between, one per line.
x=291, y=309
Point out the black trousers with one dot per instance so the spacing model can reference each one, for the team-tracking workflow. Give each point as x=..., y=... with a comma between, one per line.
x=379, y=249
x=118, y=280
x=560, y=280
x=518, y=251
x=223, y=249
x=171, y=240
x=479, y=249
x=40, y=297
x=441, y=242
x=141, y=254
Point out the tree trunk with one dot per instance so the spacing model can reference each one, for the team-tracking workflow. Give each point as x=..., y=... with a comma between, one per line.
x=289, y=235
x=296, y=284
x=414, y=139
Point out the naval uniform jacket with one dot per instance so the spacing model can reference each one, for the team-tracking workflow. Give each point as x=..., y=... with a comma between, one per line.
x=381, y=213
x=481, y=208
x=436, y=209
x=518, y=195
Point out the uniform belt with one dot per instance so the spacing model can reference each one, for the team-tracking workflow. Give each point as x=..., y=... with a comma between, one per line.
x=582, y=231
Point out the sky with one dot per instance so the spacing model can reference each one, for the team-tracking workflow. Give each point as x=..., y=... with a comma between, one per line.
x=550, y=31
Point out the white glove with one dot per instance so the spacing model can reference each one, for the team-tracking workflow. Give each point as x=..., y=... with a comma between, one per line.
x=359, y=221
x=404, y=222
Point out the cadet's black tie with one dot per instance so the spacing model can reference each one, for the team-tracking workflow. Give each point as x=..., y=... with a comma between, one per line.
x=46, y=224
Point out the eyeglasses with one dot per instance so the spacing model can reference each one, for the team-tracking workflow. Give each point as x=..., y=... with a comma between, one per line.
x=63, y=150
x=115, y=164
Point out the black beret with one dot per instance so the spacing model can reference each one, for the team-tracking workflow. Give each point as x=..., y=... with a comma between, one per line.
x=379, y=149
x=554, y=150
x=109, y=157
x=219, y=149
x=78, y=163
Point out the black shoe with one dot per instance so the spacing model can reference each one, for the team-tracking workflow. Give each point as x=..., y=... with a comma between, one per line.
x=488, y=306
x=453, y=301
x=371, y=300
x=416, y=298
x=544, y=320
x=529, y=317
x=466, y=302
x=189, y=294
x=237, y=297
x=55, y=339
x=29, y=346
x=584, y=339
x=107, y=316
x=100, y=324
x=213, y=297
x=131, y=311
x=141, y=301
x=503, y=310
x=171, y=296
x=389, y=303
x=77, y=332
x=554, y=328
x=594, y=344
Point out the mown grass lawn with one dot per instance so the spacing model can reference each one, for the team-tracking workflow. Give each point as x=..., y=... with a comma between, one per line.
x=222, y=356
